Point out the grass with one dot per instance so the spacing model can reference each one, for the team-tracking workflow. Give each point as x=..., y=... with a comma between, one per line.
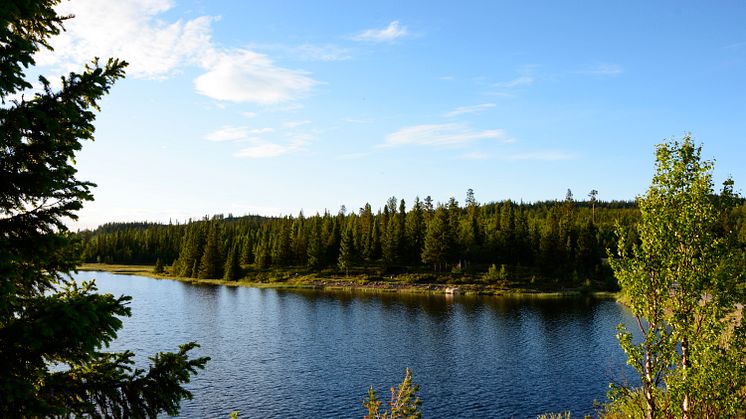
x=405, y=283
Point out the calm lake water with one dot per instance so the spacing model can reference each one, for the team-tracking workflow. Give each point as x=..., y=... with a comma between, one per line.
x=286, y=354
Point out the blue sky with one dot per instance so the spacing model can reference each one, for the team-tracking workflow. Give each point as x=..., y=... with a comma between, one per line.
x=273, y=107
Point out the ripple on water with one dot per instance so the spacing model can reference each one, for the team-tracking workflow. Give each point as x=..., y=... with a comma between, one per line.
x=279, y=353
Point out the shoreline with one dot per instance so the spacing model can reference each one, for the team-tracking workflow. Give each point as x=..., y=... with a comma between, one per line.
x=352, y=285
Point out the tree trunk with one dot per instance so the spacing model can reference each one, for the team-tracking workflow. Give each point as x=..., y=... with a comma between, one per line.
x=648, y=385
x=684, y=367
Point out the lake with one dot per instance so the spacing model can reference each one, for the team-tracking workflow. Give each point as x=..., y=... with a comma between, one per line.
x=282, y=353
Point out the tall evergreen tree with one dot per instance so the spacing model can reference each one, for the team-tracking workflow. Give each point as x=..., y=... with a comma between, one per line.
x=415, y=231
x=232, y=271
x=367, y=223
x=211, y=263
x=52, y=329
x=437, y=246
x=344, y=262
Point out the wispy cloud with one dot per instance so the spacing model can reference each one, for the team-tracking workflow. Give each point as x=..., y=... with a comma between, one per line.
x=469, y=109
x=603, y=70
x=130, y=30
x=326, y=52
x=442, y=135
x=516, y=82
x=259, y=131
x=228, y=133
x=390, y=33
x=296, y=124
x=267, y=149
x=735, y=46
x=231, y=133
x=305, y=52
x=138, y=32
x=264, y=150
x=246, y=76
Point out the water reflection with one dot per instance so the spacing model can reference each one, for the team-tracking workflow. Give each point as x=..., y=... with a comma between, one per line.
x=283, y=353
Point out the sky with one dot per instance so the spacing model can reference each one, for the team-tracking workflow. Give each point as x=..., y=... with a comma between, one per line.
x=273, y=107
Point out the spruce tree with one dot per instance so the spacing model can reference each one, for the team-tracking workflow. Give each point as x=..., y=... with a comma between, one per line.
x=438, y=244
x=232, y=265
x=345, y=250
x=158, y=268
x=211, y=262
x=46, y=317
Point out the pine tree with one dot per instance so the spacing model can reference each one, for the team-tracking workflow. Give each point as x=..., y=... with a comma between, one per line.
x=438, y=243
x=404, y=403
x=367, y=223
x=158, y=268
x=232, y=265
x=45, y=316
x=345, y=250
x=211, y=262
x=315, y=249
x=247, y=249
x=415, y=231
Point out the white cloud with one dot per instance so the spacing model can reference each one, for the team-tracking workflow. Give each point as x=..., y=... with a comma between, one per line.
x=442, y=135
x=246, y=76
x=249, y=114
x=129, y=30
x=136, y=31
x=326, y=52
x=266, y=149
x=258, y=131
x=517, y=82
x=231, y=133
x=604, y=70
x=296, y=124
x=389, y=34
x=228, y=133
x=736, y=45
x=469, y=109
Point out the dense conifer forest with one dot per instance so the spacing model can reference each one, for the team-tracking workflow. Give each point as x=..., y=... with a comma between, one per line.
x=544, y=243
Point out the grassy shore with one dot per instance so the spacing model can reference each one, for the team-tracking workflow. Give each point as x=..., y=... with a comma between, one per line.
x=360, y=283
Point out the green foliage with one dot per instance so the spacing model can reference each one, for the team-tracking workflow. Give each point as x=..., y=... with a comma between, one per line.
x=438, y=240
x=158, y=268
x=557, y=244
x=45, y=317
x=495, y=275
x=683, y=283
x=211, y=263
x=402, y=405
x=232, y=271
x=344, y=261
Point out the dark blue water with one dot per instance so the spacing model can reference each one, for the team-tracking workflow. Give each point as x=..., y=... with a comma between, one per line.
x=278, y=353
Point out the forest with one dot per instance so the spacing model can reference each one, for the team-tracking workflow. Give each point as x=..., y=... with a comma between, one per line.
x=546, y=243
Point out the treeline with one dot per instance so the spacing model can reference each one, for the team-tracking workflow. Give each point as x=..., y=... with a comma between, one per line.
x=565, y=240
